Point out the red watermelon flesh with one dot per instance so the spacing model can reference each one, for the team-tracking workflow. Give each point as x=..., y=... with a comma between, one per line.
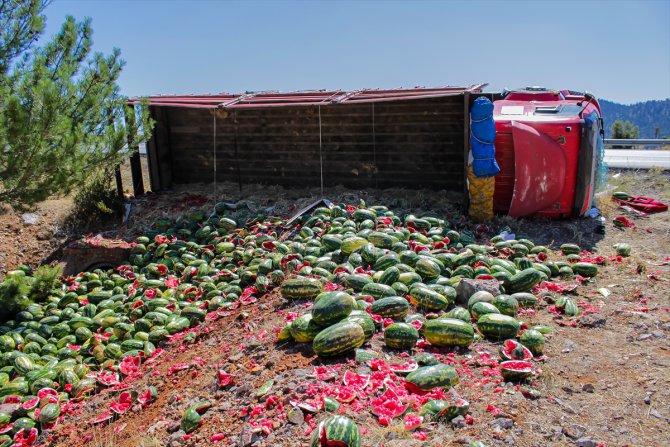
x=516, y=370
x=510, y=347
x=44, y=392
x=104, y=417
x=388, y=406
x=30, y=404
x=359, y=381
x=404, y=368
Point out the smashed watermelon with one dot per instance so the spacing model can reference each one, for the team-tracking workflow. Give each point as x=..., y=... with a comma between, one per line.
x=513, y=350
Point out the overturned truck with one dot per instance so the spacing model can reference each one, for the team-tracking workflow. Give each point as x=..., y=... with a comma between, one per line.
x=547, y=142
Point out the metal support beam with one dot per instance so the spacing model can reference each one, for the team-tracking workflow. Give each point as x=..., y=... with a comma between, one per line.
x=466, y=147
x=135, y=161
x=119, y=181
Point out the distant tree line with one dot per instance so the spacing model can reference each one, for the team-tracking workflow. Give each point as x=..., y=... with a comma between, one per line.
x=651, y=117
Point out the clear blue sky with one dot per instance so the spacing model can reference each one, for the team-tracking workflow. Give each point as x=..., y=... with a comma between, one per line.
x=619, y=50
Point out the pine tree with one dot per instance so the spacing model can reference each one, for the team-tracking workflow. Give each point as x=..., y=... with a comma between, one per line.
x=625, y=130
x=61, y=114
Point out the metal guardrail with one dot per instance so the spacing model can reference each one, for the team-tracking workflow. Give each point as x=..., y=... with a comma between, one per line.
x=637, y=159
x=639, y=142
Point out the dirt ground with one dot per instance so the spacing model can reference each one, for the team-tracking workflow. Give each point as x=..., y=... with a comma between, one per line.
x=605, y=380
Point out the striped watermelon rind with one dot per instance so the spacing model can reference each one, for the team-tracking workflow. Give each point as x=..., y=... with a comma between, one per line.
x=395, y=307
x=401, y=336
x=459, y=313
x=364, y=321
x=336, y=431
x=338, y=339
x=498, y=326
x=332, y=308
x=303, y=329
x=570, y=249
x=427, y=378
x=378, y=290
x=448, y=332
x=480, y=308
x=524, y=280
x=427, y=268
x=301, y=288
x=506, y=304
x=389, y=276
x=533, y=340
x=585, y=269
x=525, y=299
x=427, y=299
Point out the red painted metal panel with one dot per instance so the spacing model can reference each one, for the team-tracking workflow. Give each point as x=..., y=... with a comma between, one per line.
x=540, y=166
x=504, y=188
x=302, y=98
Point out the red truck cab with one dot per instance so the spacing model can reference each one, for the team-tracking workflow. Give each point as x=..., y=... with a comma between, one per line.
x=547, y=145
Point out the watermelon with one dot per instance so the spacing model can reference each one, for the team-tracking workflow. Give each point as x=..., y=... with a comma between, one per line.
x=523, y=263
x=336, y=431
x=481, y=296
x=570, y=249
x=516, y=370
x=585, y=269
x=330, y=404
x=409, y=278
x=363, y=356
x=427, y=378
x=513, y=350
x=191, y=419
x=565, y=272
x=365, y=321
x=332, y=308
x=507, y=305
x=386, y=261
x=352, y=244
x=389, y=276
x=401, y=336
x=443, y=410
x=400, y=288
x=425, y=359
x=498, y=326
x=49, y=413
x=303, y=329
x=427, y=268
x=448, y=332
x=524, y=280
x=427, y=300
x=357, y=281
x=525, y=299
x=459, y=313
x=338, y=339
x=395, y=307
x=378, y=290
x=284, y=334
x=480, y=308
x=458, y=407
x=568, y=306
x=622, y=249
x=301, y=288
x=533, y=340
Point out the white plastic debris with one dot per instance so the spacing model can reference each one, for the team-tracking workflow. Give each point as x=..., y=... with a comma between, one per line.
x=29, y=218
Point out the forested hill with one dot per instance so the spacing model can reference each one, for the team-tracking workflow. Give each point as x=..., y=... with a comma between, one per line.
x=648, y=115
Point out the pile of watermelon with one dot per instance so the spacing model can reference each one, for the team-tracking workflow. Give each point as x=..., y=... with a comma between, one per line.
x=365, y=269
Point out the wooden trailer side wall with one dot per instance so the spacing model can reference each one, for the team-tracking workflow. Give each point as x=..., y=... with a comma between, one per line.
x=409, y=144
